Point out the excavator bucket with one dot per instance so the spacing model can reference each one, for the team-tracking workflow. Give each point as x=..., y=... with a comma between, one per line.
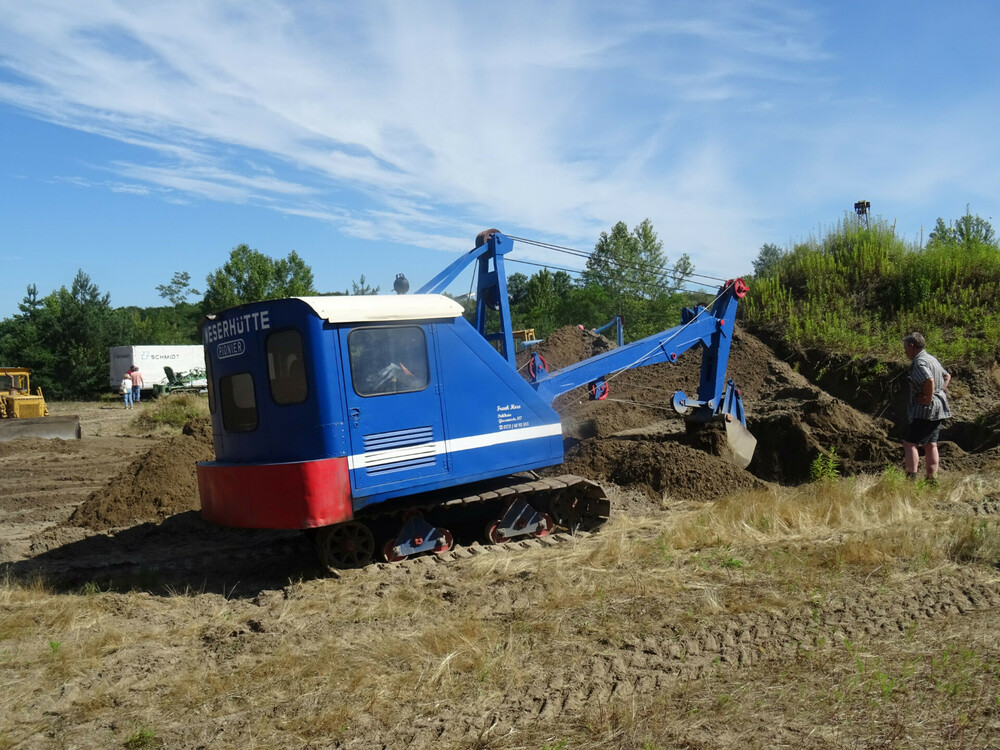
x=740, y=444
x=64, y=428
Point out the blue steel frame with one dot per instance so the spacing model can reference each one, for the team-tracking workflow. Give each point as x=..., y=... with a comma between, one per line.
x=712, y=328
x=491, y=289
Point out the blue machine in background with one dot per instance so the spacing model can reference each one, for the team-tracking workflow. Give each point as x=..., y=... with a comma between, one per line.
x=619, y=329
x=384, y=422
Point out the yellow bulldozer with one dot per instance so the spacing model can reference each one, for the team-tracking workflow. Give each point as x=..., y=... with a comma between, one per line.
x=23, y=414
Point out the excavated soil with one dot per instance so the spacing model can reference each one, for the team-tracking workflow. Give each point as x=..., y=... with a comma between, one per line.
x=158, y=484
x=635, y=439
x=116, y=512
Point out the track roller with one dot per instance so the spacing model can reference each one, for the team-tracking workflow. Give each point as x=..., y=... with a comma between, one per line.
x=416, y=536
x=519, y=519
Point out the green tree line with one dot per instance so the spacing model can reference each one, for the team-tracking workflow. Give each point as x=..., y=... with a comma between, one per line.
x=858, y=289
x=65, y=336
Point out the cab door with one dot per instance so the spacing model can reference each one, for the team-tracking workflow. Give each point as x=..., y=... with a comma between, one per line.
x=395, y=412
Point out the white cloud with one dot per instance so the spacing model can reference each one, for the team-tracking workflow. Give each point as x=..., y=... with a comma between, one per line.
x=411, y=122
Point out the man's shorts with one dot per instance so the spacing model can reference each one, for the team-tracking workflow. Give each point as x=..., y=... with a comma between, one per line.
x=923, y=431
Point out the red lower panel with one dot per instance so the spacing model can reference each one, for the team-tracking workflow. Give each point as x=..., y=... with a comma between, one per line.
x=299, y=495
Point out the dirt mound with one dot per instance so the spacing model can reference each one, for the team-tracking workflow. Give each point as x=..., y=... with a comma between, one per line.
x=642, y=395
x=200, y=430
x=566, y=346
x=802, y=422
x=792, y=420
x=160, y=483
x=658, y=468
x=38, y=445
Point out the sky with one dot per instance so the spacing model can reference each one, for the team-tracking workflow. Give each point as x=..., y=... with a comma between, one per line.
x=138, y=140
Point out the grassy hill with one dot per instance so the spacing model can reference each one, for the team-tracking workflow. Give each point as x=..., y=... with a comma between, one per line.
x=860, y=289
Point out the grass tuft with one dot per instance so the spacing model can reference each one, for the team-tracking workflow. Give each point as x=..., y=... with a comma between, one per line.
x=172, y=411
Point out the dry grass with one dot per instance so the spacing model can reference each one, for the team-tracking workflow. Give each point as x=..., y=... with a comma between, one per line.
x=375, y=655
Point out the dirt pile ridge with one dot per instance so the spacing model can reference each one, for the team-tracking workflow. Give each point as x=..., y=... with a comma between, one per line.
x=55, y=446
x=566, y=346
x=158, y=484
x=667, y=468
x=793, y=421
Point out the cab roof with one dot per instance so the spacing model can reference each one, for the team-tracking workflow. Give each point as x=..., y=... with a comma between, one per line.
x=380, y=308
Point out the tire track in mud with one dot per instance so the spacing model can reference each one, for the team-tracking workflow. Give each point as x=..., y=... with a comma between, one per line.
x=636, y=666
x=634, y=669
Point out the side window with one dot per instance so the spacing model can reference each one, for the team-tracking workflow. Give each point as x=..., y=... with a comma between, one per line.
x=388, y=360
x=286, y=367
x=239, y=406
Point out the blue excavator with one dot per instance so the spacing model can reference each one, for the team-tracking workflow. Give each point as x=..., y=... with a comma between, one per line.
x=385, y=425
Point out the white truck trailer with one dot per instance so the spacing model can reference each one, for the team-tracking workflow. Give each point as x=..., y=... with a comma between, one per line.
x=151, y=360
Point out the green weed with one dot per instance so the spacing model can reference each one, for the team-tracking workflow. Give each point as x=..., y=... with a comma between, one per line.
x=859, y=289
x=825, y=467
x=142, y=738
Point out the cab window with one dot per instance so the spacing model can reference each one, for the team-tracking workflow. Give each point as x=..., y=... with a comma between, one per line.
x=388, y=360
x=286, y=368
x=239, y=405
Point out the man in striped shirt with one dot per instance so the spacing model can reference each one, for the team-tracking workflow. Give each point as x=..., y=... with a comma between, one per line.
x=928, y=407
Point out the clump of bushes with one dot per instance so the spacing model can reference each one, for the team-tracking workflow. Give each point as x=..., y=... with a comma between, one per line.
x=173, y=410
x=861, y=288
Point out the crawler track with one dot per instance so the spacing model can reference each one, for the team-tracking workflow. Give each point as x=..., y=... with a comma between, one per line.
x=577, y=504
x=184, y=551
x=550, y=492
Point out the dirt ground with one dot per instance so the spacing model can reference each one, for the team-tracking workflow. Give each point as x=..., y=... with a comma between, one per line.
x=127, y=621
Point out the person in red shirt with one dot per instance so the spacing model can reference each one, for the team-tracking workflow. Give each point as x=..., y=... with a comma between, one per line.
x=136, y=383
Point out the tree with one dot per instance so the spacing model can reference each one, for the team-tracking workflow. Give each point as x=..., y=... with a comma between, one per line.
x=767, y=260
x=178, y=289
x=65, y=338
x=627, y=264
x=682, y=271
x=172, y=324
x=968, y=230
x=251, y=276
x=361, y=287
x=517, y=288
x=544, y=294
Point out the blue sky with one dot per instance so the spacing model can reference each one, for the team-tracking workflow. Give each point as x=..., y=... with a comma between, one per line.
x=140, y=139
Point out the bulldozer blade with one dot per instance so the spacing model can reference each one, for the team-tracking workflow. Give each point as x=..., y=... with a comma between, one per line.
x=740, y=444
x=63, y=427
